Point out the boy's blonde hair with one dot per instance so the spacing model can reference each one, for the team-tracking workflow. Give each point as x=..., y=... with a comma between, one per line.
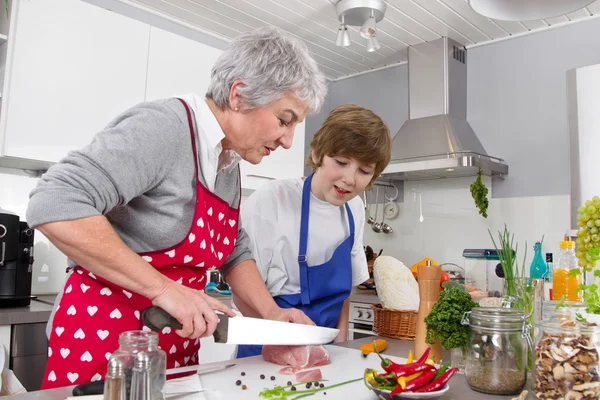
x=353, y=132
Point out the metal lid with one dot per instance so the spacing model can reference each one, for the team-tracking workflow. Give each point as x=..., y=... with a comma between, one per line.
x=497, y=318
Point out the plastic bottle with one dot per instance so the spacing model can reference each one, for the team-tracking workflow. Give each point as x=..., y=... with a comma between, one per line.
x=562, y=283
x=429, y=292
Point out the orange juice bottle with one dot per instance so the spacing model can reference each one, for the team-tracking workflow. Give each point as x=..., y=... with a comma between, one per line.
x=562, y=283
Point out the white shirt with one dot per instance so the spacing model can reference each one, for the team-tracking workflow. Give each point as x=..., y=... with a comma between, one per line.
x=271, y=217
x=210, y=135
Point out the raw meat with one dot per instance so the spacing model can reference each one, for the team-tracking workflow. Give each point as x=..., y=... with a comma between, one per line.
x=297, y=357
x=309, y=376
x=286, y=371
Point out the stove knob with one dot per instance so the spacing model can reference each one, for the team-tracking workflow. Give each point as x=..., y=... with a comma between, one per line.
x=368, y=315
x=359, y=314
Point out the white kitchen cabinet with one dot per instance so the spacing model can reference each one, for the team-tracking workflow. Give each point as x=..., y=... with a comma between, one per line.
x=280, y=164
x=177, y=65
x=71, y=68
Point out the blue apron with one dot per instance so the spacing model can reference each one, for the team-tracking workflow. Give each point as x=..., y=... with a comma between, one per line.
x=324, y=287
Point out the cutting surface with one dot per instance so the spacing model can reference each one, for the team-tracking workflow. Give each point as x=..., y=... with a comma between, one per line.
x=346, y=364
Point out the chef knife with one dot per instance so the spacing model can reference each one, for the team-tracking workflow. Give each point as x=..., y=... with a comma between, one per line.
x=245, y=330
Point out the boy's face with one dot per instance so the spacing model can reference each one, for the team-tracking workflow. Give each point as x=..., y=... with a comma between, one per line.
x=339, y=179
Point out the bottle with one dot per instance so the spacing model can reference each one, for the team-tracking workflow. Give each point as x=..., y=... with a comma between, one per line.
x=538, y=269
x=429, y=292
x=548, y=280
x=114, y=382
x=562, y=283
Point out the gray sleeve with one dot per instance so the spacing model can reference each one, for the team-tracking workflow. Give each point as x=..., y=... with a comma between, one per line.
x=130, y=156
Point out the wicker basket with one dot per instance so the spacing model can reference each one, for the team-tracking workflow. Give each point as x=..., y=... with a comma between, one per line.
x=396, y=324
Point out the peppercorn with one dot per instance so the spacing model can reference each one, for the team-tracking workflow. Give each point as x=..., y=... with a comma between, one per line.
x=289, y=383
x=243, y=374
x=238, y=382
x=262, y=376
x=244, y=387
x=272, y=378
x=321, y=385
x=293, y=388
x=308, y=385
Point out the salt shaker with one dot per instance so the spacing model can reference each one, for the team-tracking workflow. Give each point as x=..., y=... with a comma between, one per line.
x=140, y=378
x=114, y=382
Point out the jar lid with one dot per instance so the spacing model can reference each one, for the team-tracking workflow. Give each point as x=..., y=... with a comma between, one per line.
x=497, y=318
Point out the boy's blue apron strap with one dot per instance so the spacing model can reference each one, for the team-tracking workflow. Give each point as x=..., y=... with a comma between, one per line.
x=304, y=290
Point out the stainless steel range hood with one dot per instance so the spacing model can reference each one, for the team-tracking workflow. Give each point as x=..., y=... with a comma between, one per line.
x=437, y=141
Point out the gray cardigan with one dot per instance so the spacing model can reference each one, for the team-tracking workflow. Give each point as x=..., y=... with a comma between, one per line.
x=138, y=172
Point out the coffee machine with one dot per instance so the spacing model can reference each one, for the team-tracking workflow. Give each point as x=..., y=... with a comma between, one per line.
x=16, y=261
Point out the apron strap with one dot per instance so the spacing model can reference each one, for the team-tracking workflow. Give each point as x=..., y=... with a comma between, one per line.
x=350, y=219
x=304, y=294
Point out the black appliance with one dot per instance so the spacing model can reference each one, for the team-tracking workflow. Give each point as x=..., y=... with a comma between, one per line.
x=16, y=261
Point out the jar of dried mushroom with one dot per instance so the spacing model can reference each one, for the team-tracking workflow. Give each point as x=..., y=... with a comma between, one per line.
x=566, y=361
x=497, y=352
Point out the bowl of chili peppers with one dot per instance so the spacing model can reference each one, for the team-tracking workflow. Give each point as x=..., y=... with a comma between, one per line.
x=420, y=379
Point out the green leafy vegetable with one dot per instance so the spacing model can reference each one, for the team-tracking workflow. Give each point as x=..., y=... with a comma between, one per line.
x=280, y=392
x=479, y=192
x=444, y=320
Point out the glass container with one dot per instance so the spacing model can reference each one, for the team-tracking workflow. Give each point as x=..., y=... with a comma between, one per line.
x=483, y=271
x=133, y=342
x=497, y=353
x=557, y=310
x=566, y=361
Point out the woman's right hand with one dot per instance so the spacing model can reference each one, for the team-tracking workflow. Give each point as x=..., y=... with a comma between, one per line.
x=195, y=310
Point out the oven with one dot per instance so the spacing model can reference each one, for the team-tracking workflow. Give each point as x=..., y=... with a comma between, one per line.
x=360, y=321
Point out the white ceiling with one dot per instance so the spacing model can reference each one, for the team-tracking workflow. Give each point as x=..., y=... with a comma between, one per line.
x=406, y=23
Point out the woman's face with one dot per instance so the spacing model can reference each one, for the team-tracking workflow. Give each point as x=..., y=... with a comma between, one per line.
x=340, y=179
x=256, y=133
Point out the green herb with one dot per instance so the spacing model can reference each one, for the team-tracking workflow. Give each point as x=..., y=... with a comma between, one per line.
x=514, y=277
x=479, y=192
x=444, y=320
x=280, y=392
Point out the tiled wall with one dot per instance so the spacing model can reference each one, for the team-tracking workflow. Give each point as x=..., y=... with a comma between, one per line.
x=451, y=222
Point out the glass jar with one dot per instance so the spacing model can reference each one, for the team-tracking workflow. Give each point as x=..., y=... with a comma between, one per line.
x=133, y=342
x=566, y=361
x=567, y=310
x=497, y=350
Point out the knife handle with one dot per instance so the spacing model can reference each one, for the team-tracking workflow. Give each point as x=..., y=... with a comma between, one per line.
x=89, y=388
x=156, y=319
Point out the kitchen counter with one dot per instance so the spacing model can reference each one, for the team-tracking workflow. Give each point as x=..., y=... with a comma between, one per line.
x=364, y=296
x=38, y=311
x=459, y=390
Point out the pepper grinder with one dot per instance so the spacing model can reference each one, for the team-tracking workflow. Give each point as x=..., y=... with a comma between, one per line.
x=429, y=292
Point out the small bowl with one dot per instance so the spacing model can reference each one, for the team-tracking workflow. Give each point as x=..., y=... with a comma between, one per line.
x=385, y=394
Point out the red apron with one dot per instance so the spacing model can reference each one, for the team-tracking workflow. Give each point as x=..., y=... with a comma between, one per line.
x=93, y=312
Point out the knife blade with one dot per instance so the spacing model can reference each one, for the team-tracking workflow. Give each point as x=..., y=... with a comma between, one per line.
x=246, y=330
x=199, y=369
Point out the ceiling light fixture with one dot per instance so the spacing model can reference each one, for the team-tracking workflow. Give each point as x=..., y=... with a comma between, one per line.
x=362, y=13
x=519, y=10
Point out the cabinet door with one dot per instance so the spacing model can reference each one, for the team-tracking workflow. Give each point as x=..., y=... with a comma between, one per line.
x=281, y=164
x=177, y=65
x=74, y=67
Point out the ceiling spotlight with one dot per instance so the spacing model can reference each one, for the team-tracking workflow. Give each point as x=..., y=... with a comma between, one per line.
x=519, y=10
x=368, y=29
x=343, y=37
x=363, y=13
x=373, y=44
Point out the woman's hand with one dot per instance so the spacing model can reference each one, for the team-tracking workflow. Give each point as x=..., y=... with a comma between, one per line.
x=289, y=315
x=195, y=310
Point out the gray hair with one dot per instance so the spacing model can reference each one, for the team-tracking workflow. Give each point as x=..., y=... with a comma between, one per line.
x=270, y=63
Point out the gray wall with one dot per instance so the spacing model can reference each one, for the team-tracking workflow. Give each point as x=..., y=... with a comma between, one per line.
x=516, y=103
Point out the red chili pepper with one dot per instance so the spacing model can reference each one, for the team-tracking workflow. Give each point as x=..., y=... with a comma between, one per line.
x=406, y=370
x=424, y=356
x=439, y=382
x=416, y=383
x=387, y=364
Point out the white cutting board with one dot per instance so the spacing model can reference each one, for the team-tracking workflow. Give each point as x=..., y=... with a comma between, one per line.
x=346, y=364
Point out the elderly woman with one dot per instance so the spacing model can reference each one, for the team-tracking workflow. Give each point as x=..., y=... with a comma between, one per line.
x=153, y=200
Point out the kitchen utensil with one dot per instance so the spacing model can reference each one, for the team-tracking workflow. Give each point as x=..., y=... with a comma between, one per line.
x=391, y=209
x=385, y=228
x=376, y=225
x=245, y=330
x=97, y=387
x=420, y=208
x=370, y=220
